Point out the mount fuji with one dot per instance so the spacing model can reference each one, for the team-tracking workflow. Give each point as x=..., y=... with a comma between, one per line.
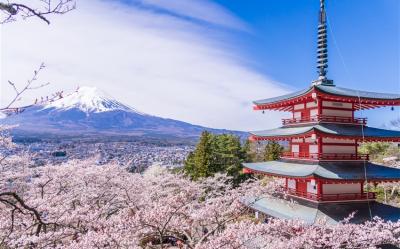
x=90, y=112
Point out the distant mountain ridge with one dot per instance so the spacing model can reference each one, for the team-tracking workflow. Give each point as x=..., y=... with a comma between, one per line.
x=91, y=112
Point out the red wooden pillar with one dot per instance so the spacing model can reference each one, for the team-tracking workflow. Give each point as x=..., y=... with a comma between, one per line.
x=362, y=187
x=356, y=145
x=319, y=140
x=319, y=106
x=319, y=189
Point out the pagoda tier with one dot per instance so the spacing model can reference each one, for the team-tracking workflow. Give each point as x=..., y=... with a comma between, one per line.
x=319, y=93
x=326, y=142
x=311, y=212
x=326, y=156
x=326, y=181
x=337, y=132
x=322, y=167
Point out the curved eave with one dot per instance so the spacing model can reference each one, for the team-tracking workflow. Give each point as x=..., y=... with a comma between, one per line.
x=284, y=102
x=332, y=213
x=281, y=169
x=365, y=133
x=362, y=99
x=334, y=171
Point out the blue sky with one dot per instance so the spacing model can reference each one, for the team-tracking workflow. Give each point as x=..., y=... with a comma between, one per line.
x=364, y=43
x=204, y=61
x=283, y=40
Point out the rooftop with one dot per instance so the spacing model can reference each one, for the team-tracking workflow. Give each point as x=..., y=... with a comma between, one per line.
x=355, y=96
x=327, y=170
x=333, y=213
x=353, y=131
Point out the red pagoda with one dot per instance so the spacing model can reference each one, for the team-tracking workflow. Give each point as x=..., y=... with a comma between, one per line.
x=324, y=172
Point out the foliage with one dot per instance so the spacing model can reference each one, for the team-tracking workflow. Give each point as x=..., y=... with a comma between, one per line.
x=272, y=151
x=388, y=193
x=217, y=153
x=378, y=150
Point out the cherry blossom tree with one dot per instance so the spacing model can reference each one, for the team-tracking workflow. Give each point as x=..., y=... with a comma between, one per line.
x=83, y=205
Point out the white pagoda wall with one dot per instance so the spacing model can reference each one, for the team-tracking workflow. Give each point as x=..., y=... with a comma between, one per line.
x=313, y=149
x=345, y=188
x=311, y=104
x=295, y=148
x=313, y=112
x=334, y=112
x=336, y=140
x=297, y=115
x=337, y=104
x=338, y=149
x=297, y=140
x=338, y=113
x=347, y=147
x=298, y=107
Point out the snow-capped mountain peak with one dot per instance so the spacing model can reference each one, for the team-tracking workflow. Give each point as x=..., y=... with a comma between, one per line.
x=89, y=100
x=90, y=112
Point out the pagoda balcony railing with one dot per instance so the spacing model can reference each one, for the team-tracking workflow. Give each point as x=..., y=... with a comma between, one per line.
x=324, y=118
x=324, y=156
x=332, y=197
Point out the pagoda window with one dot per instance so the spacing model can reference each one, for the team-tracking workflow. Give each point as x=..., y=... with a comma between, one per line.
x=312, y=187
x=312, y=104
x=342, y=188
x=313, y=149
x=295, y=148
x=297, y=115
x=340, y=105
x=338, y=141
x=339, y=149
x=298, y=106
x=337, y=113
x=291, y=184
x=309, y=140
x=297, y=140
x=313, y=112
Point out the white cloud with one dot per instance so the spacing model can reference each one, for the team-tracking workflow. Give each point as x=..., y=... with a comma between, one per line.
x=202, y=10
x=160, y=64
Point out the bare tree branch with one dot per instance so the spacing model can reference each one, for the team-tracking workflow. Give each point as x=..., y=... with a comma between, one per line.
x=28, y=86
x=12, y=10
x=10, y=108
x=17, y=203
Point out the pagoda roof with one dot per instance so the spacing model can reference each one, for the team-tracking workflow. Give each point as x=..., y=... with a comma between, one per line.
x=365, y=98
x=326, y=170
x=332, y=213
x=282, y=97
x=357, y=93
x=340, y=130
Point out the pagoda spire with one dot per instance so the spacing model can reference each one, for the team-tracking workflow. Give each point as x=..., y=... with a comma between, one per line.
x=322, y=48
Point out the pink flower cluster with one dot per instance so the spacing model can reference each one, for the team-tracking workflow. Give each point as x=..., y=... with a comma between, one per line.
x=81, y=205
